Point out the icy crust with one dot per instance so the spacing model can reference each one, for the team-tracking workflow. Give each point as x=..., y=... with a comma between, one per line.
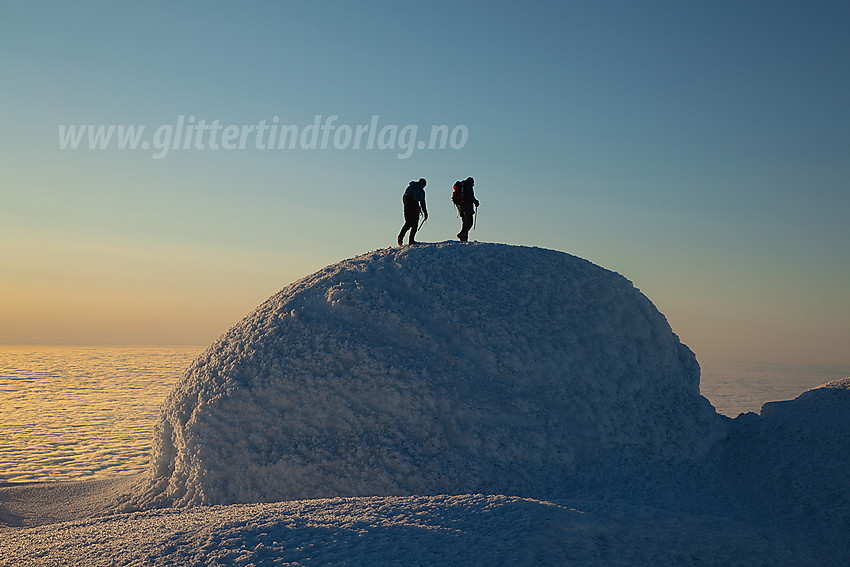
x=435, y=369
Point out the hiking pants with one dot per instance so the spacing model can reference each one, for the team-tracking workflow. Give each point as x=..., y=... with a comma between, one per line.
x=411, y=221
x=466, y=217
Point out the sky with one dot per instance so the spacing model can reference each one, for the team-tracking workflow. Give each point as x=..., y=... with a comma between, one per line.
x=698, y=148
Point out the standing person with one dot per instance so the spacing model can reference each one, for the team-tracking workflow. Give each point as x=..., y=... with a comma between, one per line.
x=466, y=203
x=414, y=201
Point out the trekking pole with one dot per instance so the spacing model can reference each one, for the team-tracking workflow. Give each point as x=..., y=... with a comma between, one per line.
x=475, y=220
x=420, y=224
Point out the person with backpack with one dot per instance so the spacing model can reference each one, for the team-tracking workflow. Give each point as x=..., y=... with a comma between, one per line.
x=463, y=197
x=414, y=201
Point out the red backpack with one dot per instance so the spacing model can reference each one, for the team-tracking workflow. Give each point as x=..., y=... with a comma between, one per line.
x=457, y=193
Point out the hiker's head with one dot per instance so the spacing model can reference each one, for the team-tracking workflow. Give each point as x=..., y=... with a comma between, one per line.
x=423, y=182
x=470, y=181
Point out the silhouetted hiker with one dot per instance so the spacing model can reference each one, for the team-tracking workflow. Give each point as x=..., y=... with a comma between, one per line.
x=464, y=197
x=414, y=200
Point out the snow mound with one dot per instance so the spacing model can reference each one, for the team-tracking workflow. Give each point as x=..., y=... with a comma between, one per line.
x=448, y=368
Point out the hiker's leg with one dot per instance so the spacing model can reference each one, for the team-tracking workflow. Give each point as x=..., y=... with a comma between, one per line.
x=466, y=217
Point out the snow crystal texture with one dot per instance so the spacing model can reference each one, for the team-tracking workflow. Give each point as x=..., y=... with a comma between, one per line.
x=448, y=368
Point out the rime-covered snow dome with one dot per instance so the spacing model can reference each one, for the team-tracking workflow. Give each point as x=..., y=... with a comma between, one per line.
x=443, y=368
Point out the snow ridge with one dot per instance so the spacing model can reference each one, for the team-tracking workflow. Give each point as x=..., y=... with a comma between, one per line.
x=790, y=462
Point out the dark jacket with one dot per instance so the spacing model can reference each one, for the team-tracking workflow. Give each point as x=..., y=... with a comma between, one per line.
x=414, y=198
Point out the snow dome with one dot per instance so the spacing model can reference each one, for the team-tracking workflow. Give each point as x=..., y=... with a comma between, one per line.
x=447, y=368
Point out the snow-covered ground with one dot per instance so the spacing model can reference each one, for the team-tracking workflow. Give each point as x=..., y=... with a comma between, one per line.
x=408, y=530
x=456, y=404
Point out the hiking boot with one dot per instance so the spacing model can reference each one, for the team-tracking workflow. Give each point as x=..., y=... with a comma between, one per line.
x=400, y=241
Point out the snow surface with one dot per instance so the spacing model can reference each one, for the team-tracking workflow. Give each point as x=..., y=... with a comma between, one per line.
x=457, y=404
x=462, y=530
x=792, y=462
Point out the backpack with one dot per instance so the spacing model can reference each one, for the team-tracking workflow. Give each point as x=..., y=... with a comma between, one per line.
x=411, y=194
x=457, y=193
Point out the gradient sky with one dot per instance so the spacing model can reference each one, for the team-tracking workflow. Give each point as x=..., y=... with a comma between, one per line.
x=701, y=149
